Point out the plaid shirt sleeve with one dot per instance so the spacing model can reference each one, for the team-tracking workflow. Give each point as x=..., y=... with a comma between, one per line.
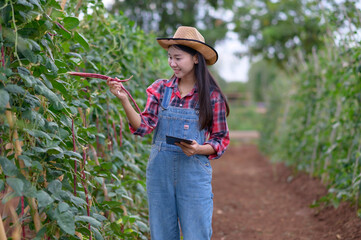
x=150, y=112
x=218, y=133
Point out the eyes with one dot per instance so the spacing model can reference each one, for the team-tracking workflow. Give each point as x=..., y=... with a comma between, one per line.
x=176, y=58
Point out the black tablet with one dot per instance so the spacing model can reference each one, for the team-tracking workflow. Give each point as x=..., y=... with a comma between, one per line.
x=173, y=140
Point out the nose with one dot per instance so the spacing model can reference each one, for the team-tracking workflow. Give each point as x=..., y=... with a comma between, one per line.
x=172, y=63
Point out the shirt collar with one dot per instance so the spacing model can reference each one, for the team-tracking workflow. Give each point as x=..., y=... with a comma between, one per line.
x=173, y=83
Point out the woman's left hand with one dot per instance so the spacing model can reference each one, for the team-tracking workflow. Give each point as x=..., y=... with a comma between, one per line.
x=189, y=149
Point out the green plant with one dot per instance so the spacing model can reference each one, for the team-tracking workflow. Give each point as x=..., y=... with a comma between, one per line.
x=316, y=124
x=63, y=148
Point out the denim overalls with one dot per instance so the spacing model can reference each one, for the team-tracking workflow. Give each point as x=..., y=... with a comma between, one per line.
x=178, y=187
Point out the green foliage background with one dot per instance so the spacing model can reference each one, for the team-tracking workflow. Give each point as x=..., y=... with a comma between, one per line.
x=45, y=101
x=313, y=102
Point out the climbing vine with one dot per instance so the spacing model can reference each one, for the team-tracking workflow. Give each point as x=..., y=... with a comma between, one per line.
x=70, y=168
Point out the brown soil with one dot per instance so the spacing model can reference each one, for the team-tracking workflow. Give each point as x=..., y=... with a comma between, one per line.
x=254, y=199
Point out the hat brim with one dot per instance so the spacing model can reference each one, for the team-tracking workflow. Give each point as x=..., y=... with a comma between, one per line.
x=209, y=53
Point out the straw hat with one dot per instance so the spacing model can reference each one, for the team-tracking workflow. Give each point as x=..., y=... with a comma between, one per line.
x=190, y=37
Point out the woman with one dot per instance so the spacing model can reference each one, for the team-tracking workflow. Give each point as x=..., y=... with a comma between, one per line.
x=190, y=106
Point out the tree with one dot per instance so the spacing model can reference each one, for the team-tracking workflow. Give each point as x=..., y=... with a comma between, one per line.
x=164, y=17
x=274, y=29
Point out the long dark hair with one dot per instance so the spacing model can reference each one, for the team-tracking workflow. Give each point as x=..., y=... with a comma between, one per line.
x=205, y=83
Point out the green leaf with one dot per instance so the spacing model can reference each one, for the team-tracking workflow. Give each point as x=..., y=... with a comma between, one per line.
x=34, y=117
x=49, y=150
x=8, y=72
x=2, y=185
x=99, y=217
x=63, y=32
x=54, y=3
x=38, y=133
x=24, y=71
x=49, y=64
x=50, y=95
x=77, y=201
x=12, y=88
x=43, y=198
x=73, y=154
x=66, y=222
x=29, y=54
x=60, y=86
x=54, y=186
x=3, y=78
x=35, y=45
x=36, y=2
x=77, y=55
x=4, y=99
x=25, y=3
x=8, y=197
x=37, y=165
x=29, y=80
x=25, y=48
x=8, y=167
x=63, y=207
x=16, y=184
x=81, y=40
x=41, y=234
x=88, y=219
x=71, y=22
x=29, y=189
x=46, y=45
x=46, y=81
x=27, y=160
x=97, y=234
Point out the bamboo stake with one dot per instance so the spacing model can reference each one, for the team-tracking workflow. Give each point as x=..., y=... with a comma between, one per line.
x=104, y=188
x=63, y=3
x=356, y=163
x=18, y=150
x=354, y=177
x=319, y=86
x=78, y=5
x=332, y=141
x=2, y=230
x=17, y=226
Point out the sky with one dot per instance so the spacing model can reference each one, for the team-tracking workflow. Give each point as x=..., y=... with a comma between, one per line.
x=229, y=66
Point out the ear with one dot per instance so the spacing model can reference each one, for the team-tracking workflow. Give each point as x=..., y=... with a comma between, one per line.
x=195, y=59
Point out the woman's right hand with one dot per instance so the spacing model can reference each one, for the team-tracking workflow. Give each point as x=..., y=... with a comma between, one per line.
x=117, y=89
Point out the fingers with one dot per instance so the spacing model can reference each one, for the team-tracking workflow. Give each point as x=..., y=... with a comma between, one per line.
x=110, y=81
x=188, y=149
x=115, y=87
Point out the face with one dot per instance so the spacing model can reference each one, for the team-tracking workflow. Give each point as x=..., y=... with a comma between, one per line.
x=181, y=62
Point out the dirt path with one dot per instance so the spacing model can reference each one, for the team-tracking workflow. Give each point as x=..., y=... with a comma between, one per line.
x=256, y=200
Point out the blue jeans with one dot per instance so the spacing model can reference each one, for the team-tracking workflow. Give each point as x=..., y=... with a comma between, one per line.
x=179, y=188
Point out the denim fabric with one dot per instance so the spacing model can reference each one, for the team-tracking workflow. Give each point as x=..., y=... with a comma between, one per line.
x=179, y=187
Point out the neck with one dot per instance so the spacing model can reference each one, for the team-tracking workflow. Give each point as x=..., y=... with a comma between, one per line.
x=187, y=81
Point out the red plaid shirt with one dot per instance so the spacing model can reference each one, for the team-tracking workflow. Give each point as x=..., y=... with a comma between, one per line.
x=217, y=136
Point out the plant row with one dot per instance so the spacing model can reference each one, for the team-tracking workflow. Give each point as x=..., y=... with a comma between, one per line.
x=314, y=116
x=70, y=168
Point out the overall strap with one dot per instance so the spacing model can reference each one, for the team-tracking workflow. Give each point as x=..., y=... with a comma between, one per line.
x=166, y=97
